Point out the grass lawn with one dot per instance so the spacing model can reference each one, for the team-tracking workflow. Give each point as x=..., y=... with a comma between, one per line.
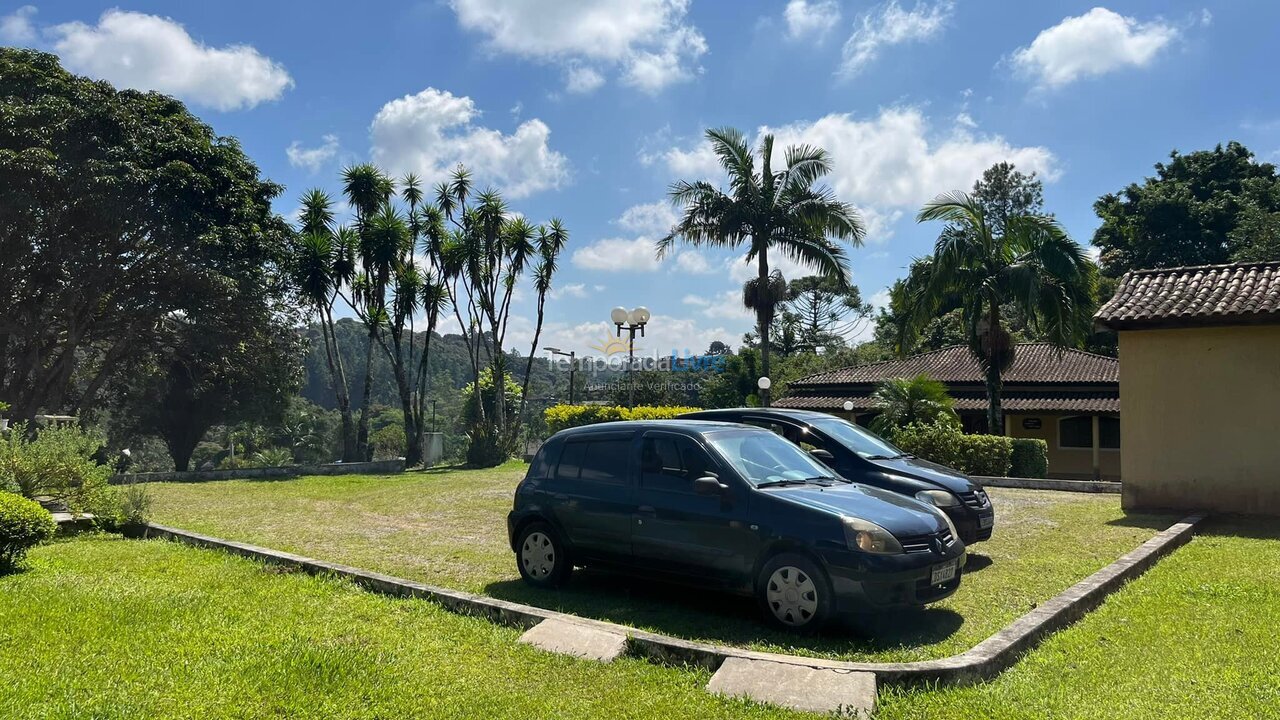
x=1197, y=636
x=448, y=528
x=102, y=627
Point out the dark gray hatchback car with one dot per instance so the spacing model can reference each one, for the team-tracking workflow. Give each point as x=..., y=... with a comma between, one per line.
x=860, y=455
x=732, y=507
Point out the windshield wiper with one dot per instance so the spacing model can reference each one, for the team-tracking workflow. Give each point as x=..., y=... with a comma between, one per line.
x=824, y=480
x=781, y=483
x=889, y=457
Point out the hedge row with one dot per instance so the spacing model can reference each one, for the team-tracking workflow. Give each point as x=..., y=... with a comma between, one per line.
x=560, y=417
x=970, y=454
x=1030, y=458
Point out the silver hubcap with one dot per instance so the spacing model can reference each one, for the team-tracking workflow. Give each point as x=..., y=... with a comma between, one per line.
x=792, y=595
x=538, y=555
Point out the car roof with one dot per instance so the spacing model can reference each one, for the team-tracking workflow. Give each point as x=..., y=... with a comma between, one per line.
x=761, y=412
x=686, y=425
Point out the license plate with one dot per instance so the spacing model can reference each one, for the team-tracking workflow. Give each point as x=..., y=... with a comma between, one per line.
x=944, y=572
x=986, y=522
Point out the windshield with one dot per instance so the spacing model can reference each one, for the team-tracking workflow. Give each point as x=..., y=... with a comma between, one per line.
x=762, y=457
x=867, y=444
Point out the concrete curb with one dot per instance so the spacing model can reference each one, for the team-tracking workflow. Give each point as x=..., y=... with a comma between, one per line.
x=1085, y=486
x=982, y=662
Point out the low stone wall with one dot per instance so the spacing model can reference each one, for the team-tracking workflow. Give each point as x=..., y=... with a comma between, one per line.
x=1089, y=486
x=377, y=467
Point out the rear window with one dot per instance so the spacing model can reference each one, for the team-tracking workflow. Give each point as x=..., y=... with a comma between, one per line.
x=603, y=461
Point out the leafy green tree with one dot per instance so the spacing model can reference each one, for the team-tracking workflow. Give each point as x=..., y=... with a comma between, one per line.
x=767, y=210
x=920, y=400
x=120, y=209
x=218, y=367
x=826, y=313
x=1190, y=213
x=1031, y=265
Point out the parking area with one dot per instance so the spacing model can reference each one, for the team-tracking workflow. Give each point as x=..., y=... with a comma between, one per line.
x=447, y=527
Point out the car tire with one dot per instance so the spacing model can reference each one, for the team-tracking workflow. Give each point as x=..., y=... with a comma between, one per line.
x=795, y=594
x=541, y=556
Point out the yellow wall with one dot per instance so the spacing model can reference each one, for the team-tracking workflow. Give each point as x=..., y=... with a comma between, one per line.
x=1201, y=409
x=1066, y=462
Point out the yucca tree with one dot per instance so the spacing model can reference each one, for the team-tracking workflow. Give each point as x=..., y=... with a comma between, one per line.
x=550, y=241
x=320, y=267
x=367, y=189
x=909, y=401
x=1031, y=264
x=768, y=211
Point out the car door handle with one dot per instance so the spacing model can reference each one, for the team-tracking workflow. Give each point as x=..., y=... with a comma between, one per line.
x=646, y=510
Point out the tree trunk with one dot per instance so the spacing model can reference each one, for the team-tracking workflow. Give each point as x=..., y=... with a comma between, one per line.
x=342, y=394
x=764, y=318
x=995, y=414
x=362, y=433
x=412, y=433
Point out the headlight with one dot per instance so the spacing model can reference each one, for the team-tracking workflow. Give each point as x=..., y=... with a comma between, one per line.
x=869, y=537
x=938, y=498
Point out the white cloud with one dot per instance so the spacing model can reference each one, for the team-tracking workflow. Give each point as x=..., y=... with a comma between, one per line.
x=810, y=19
x=695, y=300
x=649, y=41
x=17, y=28
x=887, y=165
x=889, y=25
x=312, y=159
x=1095, y=43
x=618, y=255
x=895, y=160
x=431, y=132
x=663, y=334
x=727, y=305
x=583, y=80
x=575, y=290
x=148, y=52
x=649, y=218
x=740, y=270
x=693, y=262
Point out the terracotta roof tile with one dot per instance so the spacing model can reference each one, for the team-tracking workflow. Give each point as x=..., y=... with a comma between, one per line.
x=1033, y=363
x=1240, y=293
x=1050, y=402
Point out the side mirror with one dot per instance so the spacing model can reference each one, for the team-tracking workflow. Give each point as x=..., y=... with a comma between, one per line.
x=823, y=455
x=709, y=485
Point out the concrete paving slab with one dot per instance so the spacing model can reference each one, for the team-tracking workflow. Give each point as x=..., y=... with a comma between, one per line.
x=798, y=687
x=579, y=640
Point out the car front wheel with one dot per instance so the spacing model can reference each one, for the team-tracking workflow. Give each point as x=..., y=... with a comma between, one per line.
x=794, y=593
x=541, y=556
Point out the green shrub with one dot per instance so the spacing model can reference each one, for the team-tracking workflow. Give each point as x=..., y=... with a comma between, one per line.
x=272, y=457
x=135, y=504
x=560, y=417
x=23, y=525
x=388, y=443
x=970, y=454
x=1030, y=458
x=59, y=463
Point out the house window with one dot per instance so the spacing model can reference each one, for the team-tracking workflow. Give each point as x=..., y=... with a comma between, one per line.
x=1077, y=432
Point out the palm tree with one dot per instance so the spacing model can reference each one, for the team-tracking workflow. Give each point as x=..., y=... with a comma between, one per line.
x=1031, y=264
x=766, y=210
x=909, y=401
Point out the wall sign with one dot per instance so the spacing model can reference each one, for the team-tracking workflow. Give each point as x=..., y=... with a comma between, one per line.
x=1031, y=423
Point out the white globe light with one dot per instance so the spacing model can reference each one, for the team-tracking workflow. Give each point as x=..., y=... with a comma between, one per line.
x=618, y=315
x=848, y=406
x=764, y=383
x=640, y=315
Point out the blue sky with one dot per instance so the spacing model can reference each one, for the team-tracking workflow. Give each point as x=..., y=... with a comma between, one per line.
x=587, y=110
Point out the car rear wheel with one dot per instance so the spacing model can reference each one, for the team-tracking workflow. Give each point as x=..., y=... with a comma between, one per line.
x=541, y=556
x=795, y=593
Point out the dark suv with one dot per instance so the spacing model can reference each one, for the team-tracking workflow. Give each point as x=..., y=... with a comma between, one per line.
x=730, y=506
x=862, y=456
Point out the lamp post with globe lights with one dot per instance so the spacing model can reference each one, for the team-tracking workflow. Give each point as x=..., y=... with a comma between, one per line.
x=764, y=384
x=633, y=322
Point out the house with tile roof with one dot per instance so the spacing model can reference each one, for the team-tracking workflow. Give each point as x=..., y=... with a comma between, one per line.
x=1200, y=379
x=1068, y=398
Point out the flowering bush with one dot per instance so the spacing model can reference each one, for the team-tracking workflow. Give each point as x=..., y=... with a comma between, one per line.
x=560, y=417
